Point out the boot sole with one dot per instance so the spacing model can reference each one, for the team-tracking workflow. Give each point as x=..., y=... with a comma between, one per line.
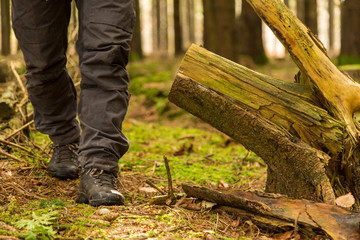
x=63, y=175
x=83, y=199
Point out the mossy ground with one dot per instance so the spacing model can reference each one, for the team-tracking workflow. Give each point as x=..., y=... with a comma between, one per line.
x=36, y=206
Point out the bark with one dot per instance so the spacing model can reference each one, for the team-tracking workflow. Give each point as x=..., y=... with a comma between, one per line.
x=219, y=19
x=249, y=35
x=277, y=211
x=5, y=27
x=350, y=32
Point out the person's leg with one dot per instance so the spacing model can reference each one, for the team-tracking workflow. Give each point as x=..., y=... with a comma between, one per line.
x=105, y=31
x=41, y=29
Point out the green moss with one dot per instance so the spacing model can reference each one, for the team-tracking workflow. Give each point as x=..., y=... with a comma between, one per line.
x=345, y=59
x=194, y=155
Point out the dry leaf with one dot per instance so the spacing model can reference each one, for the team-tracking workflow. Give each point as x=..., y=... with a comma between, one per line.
x=223, y=184
x=345, y=201
x=205, y=205
x=148, y=191
x=235, y=223
x=209, y=236
x=283, y=236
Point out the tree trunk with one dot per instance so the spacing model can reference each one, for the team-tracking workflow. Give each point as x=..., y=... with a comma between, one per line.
x=136, y=43
x=219, y=19
x=164, y=28
x=156, y=25
x=160, y=28
x=249, y=35
x=5, y=27
x=178, y=29
x=331, y=24
x=350, y=32
x=305, y=133
x=307, y=13
x=191, y=19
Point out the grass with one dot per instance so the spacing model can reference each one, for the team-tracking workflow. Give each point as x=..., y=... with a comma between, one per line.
x=195, y=155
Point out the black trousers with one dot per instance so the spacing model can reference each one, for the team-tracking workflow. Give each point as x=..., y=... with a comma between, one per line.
x=105, y=29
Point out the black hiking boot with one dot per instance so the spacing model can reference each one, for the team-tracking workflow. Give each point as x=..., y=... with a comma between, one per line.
x=64, y=162
x=97, y=187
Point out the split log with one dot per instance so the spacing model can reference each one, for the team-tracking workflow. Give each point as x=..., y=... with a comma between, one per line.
x=264, y=114
x=278, y=212
x=304, y=132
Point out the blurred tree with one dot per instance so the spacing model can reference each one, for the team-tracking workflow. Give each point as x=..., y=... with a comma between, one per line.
x=178, y=29
x=331, y=24
x=5, y=27
x=190, y=19
x=156, y=25
x=249, y=35
x=350, y=32
x=307, y=13
x=160, y=27
x=136, y=43
x=219, y=22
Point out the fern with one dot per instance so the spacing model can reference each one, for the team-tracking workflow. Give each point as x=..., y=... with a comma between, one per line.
x=39, y=225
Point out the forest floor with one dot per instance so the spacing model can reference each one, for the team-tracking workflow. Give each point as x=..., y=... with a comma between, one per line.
x=36, y=206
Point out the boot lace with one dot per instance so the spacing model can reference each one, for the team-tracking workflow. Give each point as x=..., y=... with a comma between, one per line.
x=102, y=178
x=66, y=153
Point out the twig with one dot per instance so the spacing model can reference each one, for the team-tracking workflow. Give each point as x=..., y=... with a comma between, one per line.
x=18, y=79
x=296, y=228
x=22, y=114
x=11, y=156
x=247, y=155
x=19, y=130
x=23, y=191
x=156, y=187
x=170, y=186
x=30, y=114
x=14, y=145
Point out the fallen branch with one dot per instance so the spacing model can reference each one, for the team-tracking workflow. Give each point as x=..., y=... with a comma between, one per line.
x=170, y=186
x=17, y=77
x=14, y=145
x=19, y=130
x=2, y=152
x=337, y=222
x=156, y=187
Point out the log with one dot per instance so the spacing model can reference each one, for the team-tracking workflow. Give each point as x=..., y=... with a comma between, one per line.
x=280, y=212
x=305, y=132
x=341, y=94
x=267, y=116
